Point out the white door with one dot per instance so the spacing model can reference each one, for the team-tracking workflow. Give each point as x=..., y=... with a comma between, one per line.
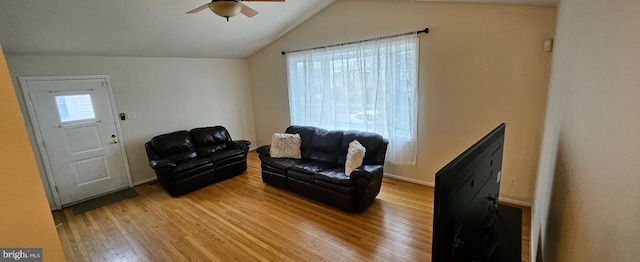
x=78, y=135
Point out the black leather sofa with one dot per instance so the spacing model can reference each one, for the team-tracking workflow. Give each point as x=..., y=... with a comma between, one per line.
x=188, y=160
x=320, y=175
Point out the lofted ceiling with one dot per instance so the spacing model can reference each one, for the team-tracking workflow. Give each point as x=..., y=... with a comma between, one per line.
x=158, y=28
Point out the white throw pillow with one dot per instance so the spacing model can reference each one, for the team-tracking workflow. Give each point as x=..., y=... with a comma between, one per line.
x=286, y=146
x=355, y=155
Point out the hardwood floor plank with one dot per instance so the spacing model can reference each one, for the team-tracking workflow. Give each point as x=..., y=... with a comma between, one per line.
x=243, y=219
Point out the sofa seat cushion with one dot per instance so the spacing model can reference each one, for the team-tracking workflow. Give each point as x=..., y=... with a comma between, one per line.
x=311, y=167
x=224, y=157
x=194, y=170
x=342, y=189
x=280, y=163
x=185, y=165
x=334, y=176
x=302, y=176
x=272, y=170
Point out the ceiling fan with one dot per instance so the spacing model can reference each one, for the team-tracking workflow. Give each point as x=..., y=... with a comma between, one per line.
x=229, y=8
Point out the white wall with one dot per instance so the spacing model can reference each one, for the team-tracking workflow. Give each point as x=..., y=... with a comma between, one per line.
x=167, y=94
x=480, y=65
x=586, y=202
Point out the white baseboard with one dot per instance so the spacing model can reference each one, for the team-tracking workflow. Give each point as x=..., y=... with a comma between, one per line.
x=145, y=181
x=515, y=202
x=430, y=184
x=410, y=180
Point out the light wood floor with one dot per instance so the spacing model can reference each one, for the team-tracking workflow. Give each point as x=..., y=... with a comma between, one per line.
x=243, y=219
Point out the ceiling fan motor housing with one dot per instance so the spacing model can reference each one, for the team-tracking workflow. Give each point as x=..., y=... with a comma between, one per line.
x=230, y=8
x=226, y=8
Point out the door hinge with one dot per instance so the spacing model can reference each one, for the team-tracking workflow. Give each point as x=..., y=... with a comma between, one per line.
x=44, y=145
x=56, y=187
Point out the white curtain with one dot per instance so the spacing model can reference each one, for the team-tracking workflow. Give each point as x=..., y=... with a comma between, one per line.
x=369, y=86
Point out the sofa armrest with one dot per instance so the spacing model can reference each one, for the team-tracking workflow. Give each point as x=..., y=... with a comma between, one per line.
x=368, y=180
x=239, y=143
x=367, y=172
x=264, y=150
x=161, y=163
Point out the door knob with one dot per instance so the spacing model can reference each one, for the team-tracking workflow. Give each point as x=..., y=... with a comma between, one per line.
x=114, y=141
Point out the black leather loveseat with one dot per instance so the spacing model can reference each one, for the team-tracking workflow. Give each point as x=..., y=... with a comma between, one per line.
x=187, y=160
x=320, y=174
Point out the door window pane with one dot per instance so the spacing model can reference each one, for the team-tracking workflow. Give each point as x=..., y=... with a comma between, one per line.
x=75, y=108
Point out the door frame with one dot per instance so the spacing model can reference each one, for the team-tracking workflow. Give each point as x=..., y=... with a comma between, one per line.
x=24, y=85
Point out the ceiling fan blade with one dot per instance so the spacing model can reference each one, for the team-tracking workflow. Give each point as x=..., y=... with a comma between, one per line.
x=203, y=7
x=248, y=11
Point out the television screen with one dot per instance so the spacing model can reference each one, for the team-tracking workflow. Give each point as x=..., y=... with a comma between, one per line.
x=465, y=202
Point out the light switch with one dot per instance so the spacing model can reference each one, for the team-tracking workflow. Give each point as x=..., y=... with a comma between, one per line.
x=548, y=45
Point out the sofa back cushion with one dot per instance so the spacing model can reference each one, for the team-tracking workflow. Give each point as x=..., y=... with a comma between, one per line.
x=210, y=139
x=174, y=146
x=306, y=135
x=326, y=146
x=375, y=145
x=331, y=146
x=318, y=144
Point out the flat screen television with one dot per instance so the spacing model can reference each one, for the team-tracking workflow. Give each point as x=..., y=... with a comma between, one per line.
x=465, y=202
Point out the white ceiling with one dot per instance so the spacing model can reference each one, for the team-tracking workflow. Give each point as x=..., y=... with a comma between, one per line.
x=153, y=28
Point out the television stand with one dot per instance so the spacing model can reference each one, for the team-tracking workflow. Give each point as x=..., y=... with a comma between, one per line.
x=508, y=234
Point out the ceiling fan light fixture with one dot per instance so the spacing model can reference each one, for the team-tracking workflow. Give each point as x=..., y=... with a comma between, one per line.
x=226, y=8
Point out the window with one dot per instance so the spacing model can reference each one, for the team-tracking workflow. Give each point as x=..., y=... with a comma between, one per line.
x=369, y=86
x=75, y=108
